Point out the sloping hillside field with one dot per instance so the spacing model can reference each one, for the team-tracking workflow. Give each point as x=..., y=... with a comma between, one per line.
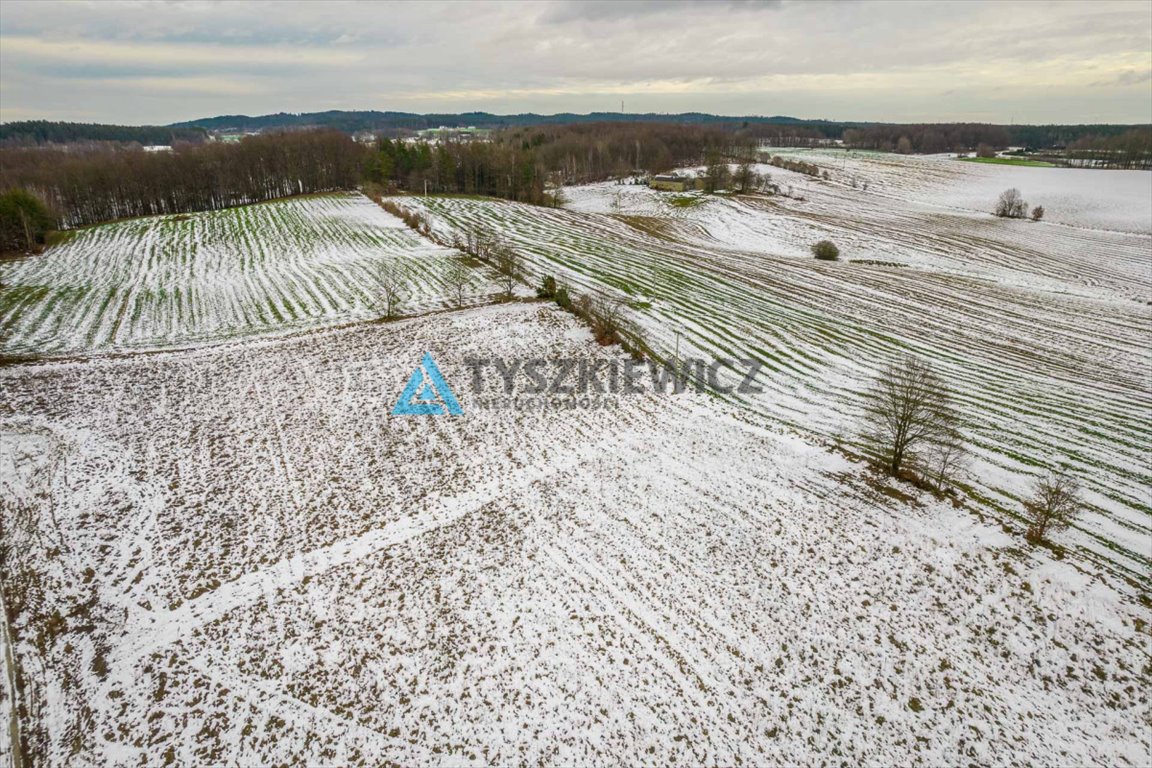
x=225, y=544
x=205, y=277
x=1042, y=329
x=255, y=564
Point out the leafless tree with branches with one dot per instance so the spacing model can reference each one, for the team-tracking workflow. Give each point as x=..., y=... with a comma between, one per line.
x=393, y=289
x=1055, y=503
x=908, y=411
x=1011, y=205
x=459, y=277
x=945, y=460
x=508, y=263
x=607, y=316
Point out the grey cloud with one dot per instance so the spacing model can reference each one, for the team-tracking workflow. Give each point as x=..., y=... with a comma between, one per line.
x=613, y=10
x=851, y=60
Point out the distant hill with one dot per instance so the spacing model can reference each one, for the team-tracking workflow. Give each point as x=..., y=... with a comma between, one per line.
x=39, y=132
x=351, y=122
x=373, y=120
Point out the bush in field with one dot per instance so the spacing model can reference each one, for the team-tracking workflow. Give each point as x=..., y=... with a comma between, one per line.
x=1055, y=503
x=562, y=299
x=582, y=307
x=826, y=250
x=1011, y=205
x=799, y=166
x=547, y=289
x=608, y=320
x=1038, y=213
x=412, y=219
x=605, y=316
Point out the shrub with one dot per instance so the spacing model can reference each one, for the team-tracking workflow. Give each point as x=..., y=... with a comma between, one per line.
x=582, y=307
x=826, y=250
x=1011, y=205
x=24, y=221
x=1038, y=213
x=562, y=299
x=547, y=289
x=799, y=166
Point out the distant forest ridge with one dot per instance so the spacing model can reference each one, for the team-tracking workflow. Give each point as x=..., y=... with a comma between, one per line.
x=39, y=132
x=34, y=132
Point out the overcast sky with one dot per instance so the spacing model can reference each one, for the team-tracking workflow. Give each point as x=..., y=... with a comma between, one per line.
x=151, y=62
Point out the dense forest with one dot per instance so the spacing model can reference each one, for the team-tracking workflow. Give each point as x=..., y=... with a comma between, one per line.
x=39, y=132
x=518, y=163
x=89, y=186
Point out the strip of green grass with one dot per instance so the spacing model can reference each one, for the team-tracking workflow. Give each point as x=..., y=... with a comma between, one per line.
x=1009, y=161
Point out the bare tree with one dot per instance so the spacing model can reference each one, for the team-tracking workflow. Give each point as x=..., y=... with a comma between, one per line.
x=482, y=244
x=716, y=174
x=1011, y=205
x=945, y=459
x=1055, y=503
x=508, y=264
x=607, y=318
x=908, y=410
x=393, y=289
x=746, y=179
x=458, y=278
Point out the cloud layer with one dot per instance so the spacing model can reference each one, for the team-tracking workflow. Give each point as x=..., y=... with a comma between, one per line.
x=152, y=62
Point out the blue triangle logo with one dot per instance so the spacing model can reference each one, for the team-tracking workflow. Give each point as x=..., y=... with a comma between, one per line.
x=427, y=394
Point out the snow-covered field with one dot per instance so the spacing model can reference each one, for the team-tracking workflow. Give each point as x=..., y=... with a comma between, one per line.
x=254, y=563
x=200, y=278
x=227, y=551
x=1040, y=328
x=1094, y=199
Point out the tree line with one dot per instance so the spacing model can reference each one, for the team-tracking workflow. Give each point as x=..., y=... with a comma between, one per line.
x=926, y=138
x=29, y=133
x=83, y=186
x=1036, y=136
x=1131, y=150
x=95, y=185
x=775, y=130
x=521, y=163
